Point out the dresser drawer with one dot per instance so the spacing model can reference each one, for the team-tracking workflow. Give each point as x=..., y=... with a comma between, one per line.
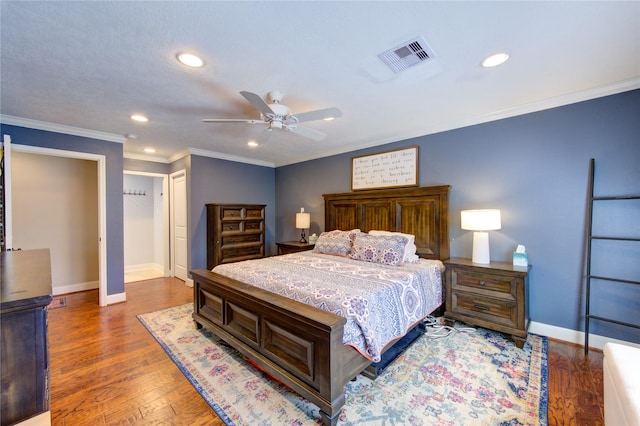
x=254, y=213
x=241, y=238
x=496, y=311
x=231, y=212
x=501, y=286
x=251, y=225
x=230, y=226
x=233, y=253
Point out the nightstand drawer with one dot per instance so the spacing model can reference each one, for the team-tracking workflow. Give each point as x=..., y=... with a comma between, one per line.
x=494, y=310
x=474, y=281
x=288, y=247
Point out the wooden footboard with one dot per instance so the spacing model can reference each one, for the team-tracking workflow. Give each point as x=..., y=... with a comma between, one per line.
x=297, y=344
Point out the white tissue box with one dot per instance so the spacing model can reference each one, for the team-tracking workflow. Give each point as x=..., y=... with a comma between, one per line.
x=520, y=259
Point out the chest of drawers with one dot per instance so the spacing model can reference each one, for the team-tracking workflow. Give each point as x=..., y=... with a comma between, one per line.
x=235, y=232
x=493, y=296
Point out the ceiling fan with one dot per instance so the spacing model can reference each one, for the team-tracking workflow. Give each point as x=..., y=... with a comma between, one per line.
x=279, y=116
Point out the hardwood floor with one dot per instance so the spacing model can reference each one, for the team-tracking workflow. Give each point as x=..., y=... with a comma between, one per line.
x=107, y=369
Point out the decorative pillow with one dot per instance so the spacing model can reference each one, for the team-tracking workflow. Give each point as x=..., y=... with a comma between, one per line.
x=336, y=242
x=384, y=249
x=409, y=250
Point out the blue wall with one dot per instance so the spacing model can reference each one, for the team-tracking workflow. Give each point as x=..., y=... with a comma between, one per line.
x=534, y=168
x=114, y=216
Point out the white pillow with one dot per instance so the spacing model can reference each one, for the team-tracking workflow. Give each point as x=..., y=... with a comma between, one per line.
x=409, y=250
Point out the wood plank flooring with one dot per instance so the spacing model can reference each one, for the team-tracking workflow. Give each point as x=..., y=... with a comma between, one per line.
x=107, y=369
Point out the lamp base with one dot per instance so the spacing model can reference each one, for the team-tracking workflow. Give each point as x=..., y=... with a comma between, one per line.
x=302, y=238
x=481, y=248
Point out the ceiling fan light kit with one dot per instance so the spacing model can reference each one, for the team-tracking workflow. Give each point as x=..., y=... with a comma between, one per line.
x=278, y=116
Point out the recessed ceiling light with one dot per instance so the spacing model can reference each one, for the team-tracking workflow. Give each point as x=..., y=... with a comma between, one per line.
x=190, y=60
x=139, y=117
x=328, y=118
x=252, y=144
x=495, y=60
x=149, y=150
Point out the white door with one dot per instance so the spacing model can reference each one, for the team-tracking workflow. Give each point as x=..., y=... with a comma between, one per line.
x=179, y=224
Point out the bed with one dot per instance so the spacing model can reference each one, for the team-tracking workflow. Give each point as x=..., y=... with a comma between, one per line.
x=302, y=345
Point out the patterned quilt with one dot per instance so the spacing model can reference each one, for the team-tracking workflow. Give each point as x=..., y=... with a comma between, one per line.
x=380, y=302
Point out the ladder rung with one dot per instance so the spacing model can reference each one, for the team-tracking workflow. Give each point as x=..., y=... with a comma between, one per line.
x=619, y=197
x=594, y=237
x=612, y=279
x=627, y=324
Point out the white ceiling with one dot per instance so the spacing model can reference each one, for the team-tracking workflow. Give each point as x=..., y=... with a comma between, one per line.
x=90, y=65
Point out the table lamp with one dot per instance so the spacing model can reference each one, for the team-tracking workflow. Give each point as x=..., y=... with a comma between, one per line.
x=303, y=220
x=480, y=221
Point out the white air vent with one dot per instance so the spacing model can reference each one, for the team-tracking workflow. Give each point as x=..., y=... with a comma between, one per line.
x=406, y=55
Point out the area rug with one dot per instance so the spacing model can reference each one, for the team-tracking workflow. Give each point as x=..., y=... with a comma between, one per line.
x=57, y=302
x=465, y=378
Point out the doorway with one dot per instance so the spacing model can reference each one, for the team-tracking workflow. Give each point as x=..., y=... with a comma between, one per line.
x=101, y=203
x=146, y=226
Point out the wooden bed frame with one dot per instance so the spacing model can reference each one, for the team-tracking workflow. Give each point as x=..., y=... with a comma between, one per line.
x=301, y=345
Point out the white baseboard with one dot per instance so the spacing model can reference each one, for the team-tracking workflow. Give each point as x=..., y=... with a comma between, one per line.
x=189, y=282
x=144, y=267
x=574, y=336
x=116, y=298
x=73, y=288
x=43, y=419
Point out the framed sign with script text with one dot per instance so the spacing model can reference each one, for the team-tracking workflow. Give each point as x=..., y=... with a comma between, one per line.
x=390, y=169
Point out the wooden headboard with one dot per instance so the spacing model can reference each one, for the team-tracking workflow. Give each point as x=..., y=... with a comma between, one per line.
x=421, y=211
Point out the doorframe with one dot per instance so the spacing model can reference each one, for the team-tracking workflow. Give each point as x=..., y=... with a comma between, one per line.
x=102, y=205
x=167, y=261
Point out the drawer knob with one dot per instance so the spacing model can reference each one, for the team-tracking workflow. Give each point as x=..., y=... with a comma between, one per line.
x=482, y=307
x=482, y=283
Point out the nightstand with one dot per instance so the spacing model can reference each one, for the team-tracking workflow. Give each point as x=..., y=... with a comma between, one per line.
x=287, y=247
x=493, y=296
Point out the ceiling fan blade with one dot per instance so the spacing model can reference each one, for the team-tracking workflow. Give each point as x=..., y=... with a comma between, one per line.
x=319, y=114
x=257, y=102
x=231, y=120
x=307, y=132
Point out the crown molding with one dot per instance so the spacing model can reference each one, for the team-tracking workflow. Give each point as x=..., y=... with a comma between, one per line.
x=528, y=108
x=221, y=156
x=61, y=128
x=142, y=157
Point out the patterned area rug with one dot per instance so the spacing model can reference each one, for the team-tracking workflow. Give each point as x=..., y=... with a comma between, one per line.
x=477, y=378
x=57, y=302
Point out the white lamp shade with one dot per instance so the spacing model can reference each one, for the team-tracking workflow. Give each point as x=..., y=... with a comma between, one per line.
x=480, y=220
x=303, y=220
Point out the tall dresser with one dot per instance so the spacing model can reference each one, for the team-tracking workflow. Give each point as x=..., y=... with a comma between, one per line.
x=25, y=281
x=235, y=232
